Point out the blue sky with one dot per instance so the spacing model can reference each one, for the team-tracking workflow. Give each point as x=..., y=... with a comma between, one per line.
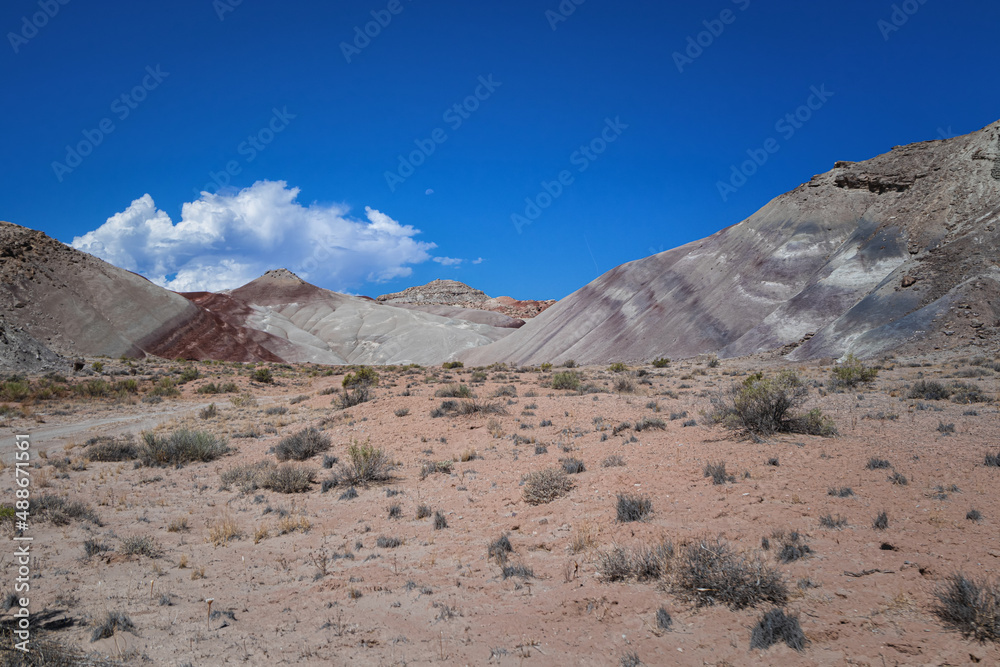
x=590, y=99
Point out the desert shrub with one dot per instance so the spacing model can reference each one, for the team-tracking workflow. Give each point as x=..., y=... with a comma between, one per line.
x=244, y=400
x=348, y=399
x=499, y=548
x=775, y=626
x=647, y=423
x=632, y=507
x=401, y=412
x=965, y=392
x=851, y=373
x=164, y=388
x=139, y=545
x=710, y=572
x=189, y=374
x=423, y=511
x=363, y=377
x=791, y=546
x=643, y=563
x=830, y=521
x=813, y=422
x=624, y=385
x=945, y=428
x=974, y=515
x=298, y=399
x=60, y=511
x=572, y=466
x=111, y=622
x=247, y=477
x=661, y=362
x=108, y=448
x=876, y=463
x=440, y=521
x=395, y=510
x=929, y=390
x=276, y=410
x=366, y=464
x=92, y=547
x=972, y=607
x=209, y=411
x=454, y=391
x=663, y=620
x=992, y=460
x=566, y=380
x=617, y=367
x=262, y=375
x=842, y=492
x=448, y=365
x=212, y=388
x=519, y=570
x=288, y=478
x=613, y=461
x=302, y=445
x=480, y=407
x=763, y=406
x=717, y=471
x=881, y=521
x=544, y=486
x=349, y=494
x=180, y=447
x=510, y=391
x=388, y=542
x=899, y=479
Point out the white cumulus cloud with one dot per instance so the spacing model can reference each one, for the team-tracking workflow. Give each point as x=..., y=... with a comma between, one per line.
x=223, y=241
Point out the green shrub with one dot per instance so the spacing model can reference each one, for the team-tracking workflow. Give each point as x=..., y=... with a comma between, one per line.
x=851, y=373
x=454, y=391
x=366, y=465
x=189, y=374
x=763, y=406
x=363, y=377
x=566, y=380
x=452, y=364
x=262, y=375
x=661, y=362
x=289, y=478
x=618, y=367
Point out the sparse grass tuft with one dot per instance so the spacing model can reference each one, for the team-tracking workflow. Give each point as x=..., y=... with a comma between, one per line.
x=139, y=545
x=717, y=471
x=875, y=463
x=851, y=373
x=633, y=507
x=572, y=466
x=842, y=492
x=972, y=607
x=775, y=626
x=108, y=448
x=881, y=521
x=830, y=521
x=111, y=623
x=388, y=542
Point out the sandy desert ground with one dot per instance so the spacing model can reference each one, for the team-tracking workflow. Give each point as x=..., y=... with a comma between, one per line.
x=321, y=577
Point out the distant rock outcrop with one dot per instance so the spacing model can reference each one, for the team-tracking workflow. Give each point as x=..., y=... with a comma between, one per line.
x=900, y=252
x=455, y=293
